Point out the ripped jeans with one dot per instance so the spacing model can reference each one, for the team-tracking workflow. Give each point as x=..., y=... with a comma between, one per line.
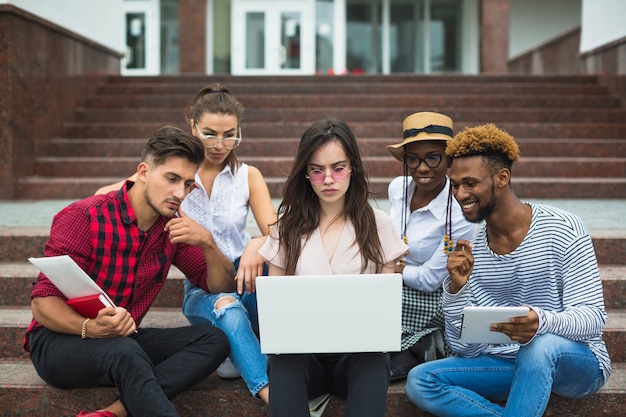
x=238, y=320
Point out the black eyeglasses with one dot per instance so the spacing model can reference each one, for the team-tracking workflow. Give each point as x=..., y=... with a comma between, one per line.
x=431, y=161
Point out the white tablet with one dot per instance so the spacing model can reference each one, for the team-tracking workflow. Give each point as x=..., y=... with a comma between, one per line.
x=67, y=276
x=476, y=322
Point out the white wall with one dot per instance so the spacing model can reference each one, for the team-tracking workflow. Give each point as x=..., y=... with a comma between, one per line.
x=604, y=21
x=533, y=22
x=98, y=20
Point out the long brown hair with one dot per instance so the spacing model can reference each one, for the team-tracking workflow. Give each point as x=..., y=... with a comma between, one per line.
x=215, y=99
x=299, y=211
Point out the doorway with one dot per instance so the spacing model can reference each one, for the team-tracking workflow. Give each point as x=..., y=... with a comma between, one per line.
x=141, y=31
x=273, y=37
x=404, y=36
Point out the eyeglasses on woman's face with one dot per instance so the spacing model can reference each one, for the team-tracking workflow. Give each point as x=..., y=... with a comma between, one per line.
x=317, y=176
x=211, y=141
x=431, y=161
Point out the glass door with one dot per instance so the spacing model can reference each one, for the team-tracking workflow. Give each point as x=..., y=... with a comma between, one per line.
x=403, y=36
x=273, y=37
x=141, y=33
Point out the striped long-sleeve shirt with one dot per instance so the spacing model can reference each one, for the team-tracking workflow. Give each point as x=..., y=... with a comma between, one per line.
x=554, y=271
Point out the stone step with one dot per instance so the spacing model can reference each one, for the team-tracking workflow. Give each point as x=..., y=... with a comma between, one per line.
x=38, y=188
x=14, y=321
x=17, y=278
x=415, y=101
x=272, y=147
x=461, y=116
x=289, y=129
x=377, y=166
x=614, y=286
x=355, y=86
x=367, y=79
x=24, y=394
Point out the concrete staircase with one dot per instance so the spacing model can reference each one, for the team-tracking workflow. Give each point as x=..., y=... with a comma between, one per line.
x=571, y=131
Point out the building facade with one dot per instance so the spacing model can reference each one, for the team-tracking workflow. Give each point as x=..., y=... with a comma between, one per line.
x=306, y=37
x=301, y=37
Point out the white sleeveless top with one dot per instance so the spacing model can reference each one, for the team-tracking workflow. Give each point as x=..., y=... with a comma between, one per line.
x=225, y=212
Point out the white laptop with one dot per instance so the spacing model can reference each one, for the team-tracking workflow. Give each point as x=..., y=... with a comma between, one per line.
x=330, y=313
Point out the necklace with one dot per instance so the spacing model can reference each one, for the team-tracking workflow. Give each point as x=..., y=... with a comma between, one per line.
x=448, y=243
x=406, y=208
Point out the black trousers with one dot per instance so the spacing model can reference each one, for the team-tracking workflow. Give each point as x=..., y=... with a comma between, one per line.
x=362, y=379
x=149, y=368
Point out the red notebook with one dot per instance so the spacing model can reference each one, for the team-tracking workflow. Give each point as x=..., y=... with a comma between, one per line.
x=89, y=305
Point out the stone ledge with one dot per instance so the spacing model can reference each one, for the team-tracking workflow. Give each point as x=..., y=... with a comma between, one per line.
x=23, y=393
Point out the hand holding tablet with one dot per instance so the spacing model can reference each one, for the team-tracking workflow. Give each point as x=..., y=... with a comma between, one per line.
x=475, y=327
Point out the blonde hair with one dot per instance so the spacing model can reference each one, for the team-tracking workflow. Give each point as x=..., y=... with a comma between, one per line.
x=485, y=140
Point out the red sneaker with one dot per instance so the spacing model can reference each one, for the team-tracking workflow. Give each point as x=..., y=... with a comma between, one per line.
x=84, y=413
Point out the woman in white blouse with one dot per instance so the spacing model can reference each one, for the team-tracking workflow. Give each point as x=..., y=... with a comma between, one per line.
x=226, y=190
x=428, y=219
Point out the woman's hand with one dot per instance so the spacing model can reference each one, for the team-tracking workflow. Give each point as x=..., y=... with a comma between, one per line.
x=251, y=265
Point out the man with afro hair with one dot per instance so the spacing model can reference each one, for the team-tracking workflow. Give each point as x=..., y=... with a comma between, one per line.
x=526, y=254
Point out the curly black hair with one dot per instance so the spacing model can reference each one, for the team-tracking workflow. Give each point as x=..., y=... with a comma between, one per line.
x=485, y=140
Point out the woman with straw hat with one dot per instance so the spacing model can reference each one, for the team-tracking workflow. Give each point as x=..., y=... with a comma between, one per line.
x=428, y=219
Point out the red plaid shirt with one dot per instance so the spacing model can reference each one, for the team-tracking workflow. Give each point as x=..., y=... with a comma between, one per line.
x=100, y=233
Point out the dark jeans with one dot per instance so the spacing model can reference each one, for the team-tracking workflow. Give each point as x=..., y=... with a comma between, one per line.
x=149, y=368
x=362, y=379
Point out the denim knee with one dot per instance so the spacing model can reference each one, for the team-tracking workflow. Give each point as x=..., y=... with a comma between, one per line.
x=417, y=384
x=542, y=351
x=227, y=308
x=571, y=365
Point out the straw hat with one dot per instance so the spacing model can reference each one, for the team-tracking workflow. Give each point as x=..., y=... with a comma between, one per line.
x=422, y=126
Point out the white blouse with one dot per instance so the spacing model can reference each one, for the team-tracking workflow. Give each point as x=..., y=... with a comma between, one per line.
x=225, y=212
x=425, y=264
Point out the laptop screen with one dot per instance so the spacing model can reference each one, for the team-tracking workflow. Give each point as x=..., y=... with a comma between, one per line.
x=330, y=313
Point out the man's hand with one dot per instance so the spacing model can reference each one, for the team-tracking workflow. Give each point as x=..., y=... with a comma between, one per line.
x=520, y=329
x=111, y=322
x=186, y=230
x=460, y=265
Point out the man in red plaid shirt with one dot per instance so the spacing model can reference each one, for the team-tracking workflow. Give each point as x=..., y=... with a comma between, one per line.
x=126, y=241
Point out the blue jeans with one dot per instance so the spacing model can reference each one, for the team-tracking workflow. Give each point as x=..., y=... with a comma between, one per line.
x=458, y=386
x=238, y=320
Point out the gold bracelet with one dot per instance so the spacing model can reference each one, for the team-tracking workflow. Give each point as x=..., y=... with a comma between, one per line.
x=83, y=330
